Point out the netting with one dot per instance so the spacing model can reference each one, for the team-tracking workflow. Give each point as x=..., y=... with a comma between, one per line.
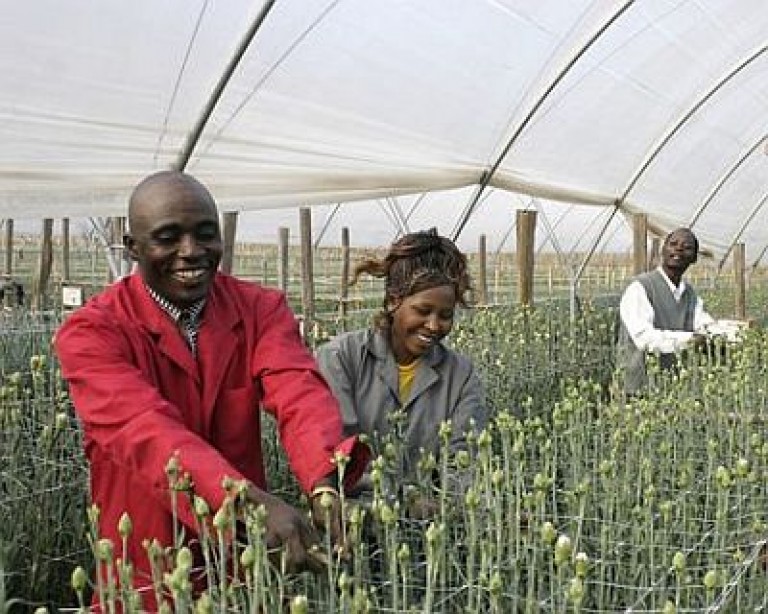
x=575, y=498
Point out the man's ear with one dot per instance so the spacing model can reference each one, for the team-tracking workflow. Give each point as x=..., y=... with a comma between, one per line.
x=130, y=246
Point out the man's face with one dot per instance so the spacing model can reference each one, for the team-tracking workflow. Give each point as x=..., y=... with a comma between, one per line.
x=176, y=241
x=679, y=251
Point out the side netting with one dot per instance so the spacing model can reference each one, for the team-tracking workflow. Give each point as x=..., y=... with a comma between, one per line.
x=574, y=499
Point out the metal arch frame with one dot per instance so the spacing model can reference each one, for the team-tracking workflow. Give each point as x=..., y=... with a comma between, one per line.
x=662, y=143
x=488, y=174
x=724, y=179
x=328, y=219
x=225, y=124
x=759, y=257
x=742, y=228
x=397, y=213
x=197, y=130
x=179, y=77
x=115, y=254
x=386, y=207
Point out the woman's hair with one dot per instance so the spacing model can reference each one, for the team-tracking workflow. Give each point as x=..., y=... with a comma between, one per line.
x=415, y=262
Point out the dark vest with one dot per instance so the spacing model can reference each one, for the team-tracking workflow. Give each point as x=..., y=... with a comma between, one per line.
x=669, y=314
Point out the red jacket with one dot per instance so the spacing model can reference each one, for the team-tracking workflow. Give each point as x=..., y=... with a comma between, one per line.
x=142, y=396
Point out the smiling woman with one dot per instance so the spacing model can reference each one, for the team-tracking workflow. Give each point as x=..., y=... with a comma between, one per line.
x=397, y=378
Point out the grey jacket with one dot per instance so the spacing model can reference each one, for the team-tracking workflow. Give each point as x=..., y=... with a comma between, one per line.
x=362, y=373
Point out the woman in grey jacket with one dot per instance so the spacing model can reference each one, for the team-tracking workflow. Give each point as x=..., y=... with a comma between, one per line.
x=397, y=382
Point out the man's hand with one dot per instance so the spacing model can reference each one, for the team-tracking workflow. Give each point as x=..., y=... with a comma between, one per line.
x=289, y=531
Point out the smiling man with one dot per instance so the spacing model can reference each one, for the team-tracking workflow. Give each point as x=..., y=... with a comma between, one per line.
x=661, y=313
x=177, y=360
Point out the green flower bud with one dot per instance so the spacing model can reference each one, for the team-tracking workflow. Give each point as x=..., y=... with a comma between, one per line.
x=563, y=549
x=201, y=507
x=60, y=421
x=463, y=460
x=742, y=467
x=79, y=579
x=722, y=477
x=204, y=605
x=495, y=584
x=576, y=591
x=184, y=559
x=472, y=499
x=711, y=579
x=340, y=459
x=104, y=550
x=433, y=534
x=248, y=557
x=125, y=526
x=299, y=605
x=387, y=514
x=327, y=500
x=222, y=517
x=581, y=564
x=173, y=466
x=345, y=582
x=678, y=562
x=548, y=533
x=390, y=451
x=484, y=440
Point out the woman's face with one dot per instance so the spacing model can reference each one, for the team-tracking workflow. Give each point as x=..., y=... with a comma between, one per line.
x=421, y=320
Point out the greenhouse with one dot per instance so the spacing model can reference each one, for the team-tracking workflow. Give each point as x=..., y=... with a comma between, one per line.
x=557, y=144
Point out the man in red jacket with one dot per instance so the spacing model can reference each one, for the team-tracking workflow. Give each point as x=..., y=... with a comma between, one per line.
x=177, y=360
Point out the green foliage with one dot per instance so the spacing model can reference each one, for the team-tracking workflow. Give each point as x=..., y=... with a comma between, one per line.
x=575, y=498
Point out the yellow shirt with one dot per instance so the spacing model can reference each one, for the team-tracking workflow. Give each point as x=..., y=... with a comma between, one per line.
x=407, y=373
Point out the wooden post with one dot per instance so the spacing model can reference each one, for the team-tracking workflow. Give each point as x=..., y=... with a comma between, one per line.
x=653, y=259
x=46, y=262
x=282, y=258
x=307, y=275
x=9, y=248
x=344, y=291
x=116, y=248
x=482, y=271
x=639, y=243
x=65, y=271
x=229, y=232
x=526, y=230
x=739, y=268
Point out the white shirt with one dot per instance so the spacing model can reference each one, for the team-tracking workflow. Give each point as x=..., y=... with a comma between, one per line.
x=637, y=314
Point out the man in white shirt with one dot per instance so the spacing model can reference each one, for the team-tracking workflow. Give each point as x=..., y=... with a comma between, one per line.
x=660, y=313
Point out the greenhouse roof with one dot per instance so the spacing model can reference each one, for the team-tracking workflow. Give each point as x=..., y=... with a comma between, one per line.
x=658, y=106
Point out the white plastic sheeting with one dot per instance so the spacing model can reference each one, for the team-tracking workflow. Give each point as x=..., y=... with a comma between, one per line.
x=652, y=105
